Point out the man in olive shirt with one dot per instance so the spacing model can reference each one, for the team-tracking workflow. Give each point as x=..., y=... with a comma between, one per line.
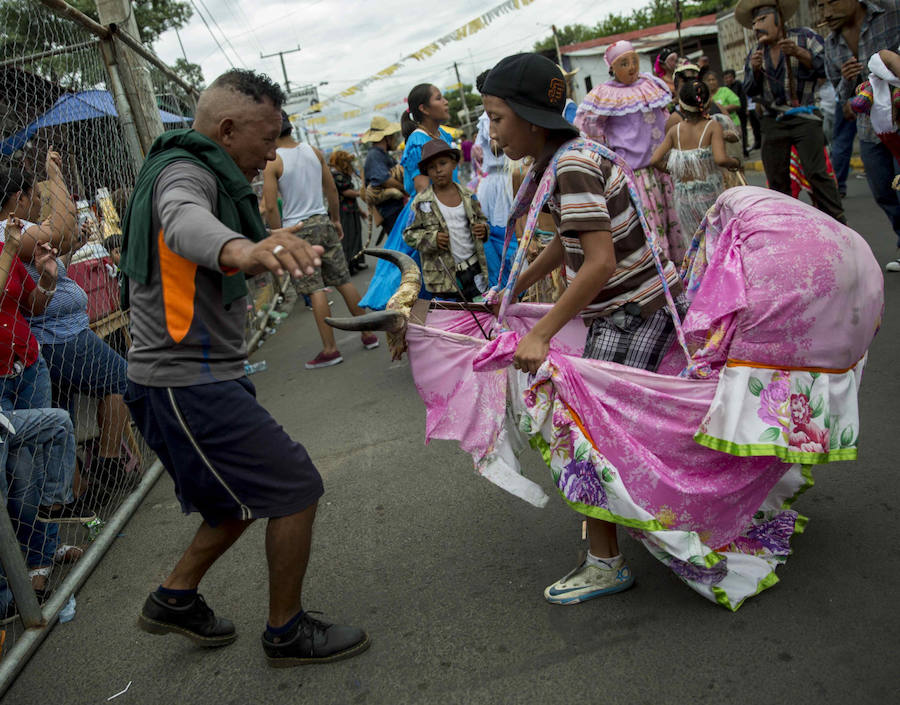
x=229, y=459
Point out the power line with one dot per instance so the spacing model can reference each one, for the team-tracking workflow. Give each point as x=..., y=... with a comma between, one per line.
x=225, y=36
x=282, y=18
x=209, y=29
x=231, y=4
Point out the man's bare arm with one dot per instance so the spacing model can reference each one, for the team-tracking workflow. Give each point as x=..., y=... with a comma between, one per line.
x=272, y=173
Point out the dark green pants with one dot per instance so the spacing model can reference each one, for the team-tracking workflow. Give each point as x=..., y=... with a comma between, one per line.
x=778, y=136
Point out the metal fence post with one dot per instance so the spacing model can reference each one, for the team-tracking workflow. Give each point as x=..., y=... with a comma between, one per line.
x=126, y=118
x=15, y=660
x=17, y=572
x=134, y=72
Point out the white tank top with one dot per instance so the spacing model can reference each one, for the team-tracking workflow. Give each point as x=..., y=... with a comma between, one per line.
x=300, y=184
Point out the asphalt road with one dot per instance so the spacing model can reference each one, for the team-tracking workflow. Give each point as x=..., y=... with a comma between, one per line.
x=446, y=572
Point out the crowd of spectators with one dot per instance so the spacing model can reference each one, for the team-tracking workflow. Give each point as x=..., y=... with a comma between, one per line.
x=53, y=357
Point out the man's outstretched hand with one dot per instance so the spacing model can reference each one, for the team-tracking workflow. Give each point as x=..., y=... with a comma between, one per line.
x=283, y=251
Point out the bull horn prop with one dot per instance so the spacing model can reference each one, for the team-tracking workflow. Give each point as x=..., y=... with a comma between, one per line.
x=395, y=316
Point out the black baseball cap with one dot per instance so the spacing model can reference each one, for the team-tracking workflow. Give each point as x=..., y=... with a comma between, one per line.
x=534, y=87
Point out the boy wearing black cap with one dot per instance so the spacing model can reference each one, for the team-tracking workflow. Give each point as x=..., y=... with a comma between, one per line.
x=448, y=229
x=610, y=269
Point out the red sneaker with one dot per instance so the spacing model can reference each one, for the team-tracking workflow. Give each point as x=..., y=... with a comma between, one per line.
x=325, y=360
x=369, y=341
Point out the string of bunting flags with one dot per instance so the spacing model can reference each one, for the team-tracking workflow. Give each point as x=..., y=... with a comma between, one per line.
x=356, y=112
x=330, y=133
x=466, y=30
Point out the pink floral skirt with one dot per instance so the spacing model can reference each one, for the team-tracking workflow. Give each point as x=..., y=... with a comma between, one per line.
x=658, y=199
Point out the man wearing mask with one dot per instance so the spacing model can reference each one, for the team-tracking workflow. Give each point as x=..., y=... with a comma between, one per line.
x=781, y=75
x=856, y=31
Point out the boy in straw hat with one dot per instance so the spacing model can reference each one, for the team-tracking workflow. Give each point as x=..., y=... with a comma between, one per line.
x=781, y=73
x=381, y=172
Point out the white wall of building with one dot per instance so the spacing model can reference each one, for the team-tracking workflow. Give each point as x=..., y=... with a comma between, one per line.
x=593, y=68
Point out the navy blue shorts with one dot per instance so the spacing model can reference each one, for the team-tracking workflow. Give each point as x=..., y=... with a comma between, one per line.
x=228, y=457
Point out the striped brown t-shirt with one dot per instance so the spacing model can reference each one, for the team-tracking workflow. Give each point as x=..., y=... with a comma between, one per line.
x=591, y=194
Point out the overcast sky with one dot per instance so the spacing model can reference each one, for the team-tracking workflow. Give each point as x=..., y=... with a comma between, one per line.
x=344, y=41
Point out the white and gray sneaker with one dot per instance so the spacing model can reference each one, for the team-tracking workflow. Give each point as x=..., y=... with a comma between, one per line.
x=588, y=581
x=893, y=265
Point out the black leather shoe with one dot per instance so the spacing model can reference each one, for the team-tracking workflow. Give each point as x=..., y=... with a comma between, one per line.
x=196, y=621
x=314, y=641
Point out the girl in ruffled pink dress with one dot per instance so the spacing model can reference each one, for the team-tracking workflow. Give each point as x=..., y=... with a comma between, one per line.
x=628, y=114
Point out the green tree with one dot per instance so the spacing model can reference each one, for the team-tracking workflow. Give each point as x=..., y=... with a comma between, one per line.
x=570, y=34
x=190, y=72
x=30, y=28
x=154, y=17
x=455, y=104
x=172, y=97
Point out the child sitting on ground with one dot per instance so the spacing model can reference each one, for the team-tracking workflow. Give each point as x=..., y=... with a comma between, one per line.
x=448, y=229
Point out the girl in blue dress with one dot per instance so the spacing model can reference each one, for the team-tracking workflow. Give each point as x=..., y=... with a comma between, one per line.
x=421, y=123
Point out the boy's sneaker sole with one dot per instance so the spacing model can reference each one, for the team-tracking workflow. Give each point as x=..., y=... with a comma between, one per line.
x=561, y=599
x=153, y=627
x=587, y=582
x=289, y=661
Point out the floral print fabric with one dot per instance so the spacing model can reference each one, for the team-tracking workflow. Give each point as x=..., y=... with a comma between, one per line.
x=717, y=521
x=798, y=416
x=702, y=469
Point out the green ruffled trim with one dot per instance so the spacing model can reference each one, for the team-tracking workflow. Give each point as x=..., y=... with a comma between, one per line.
x=747, y=450
x=540, y=444
x=606, y=515
x=712, y=558
x=722, y=598
x=806, y=471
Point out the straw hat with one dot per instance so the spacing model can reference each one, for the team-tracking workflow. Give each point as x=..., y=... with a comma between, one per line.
x=379, y=128
x=743, y=13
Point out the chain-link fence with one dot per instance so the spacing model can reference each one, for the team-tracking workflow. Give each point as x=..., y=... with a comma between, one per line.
x=74, y=125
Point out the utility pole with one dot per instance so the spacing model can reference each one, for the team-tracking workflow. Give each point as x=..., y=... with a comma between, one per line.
x=280, y=54
x=678, y=27
x=315, y=134
x=462, y=94
x=556, y=42
x=135, y=73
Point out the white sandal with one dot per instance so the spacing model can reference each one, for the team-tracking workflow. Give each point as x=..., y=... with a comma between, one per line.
x=61, y=557
x=41, y=593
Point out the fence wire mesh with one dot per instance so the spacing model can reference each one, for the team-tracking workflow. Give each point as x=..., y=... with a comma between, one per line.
x=69, y=456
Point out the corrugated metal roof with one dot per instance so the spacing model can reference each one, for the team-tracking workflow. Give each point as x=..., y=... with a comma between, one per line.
x=652, y=35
